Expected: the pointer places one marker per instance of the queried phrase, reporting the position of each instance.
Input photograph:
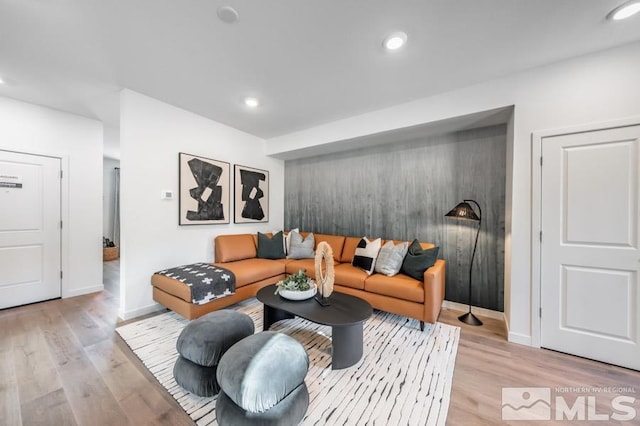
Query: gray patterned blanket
(206, 282)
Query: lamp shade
(463, 211)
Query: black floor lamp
(464, 211)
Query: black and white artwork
(204, 190)
(251, 195)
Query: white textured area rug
(404, 377)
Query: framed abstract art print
(205, 185)
(251, 195)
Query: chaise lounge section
(399, 294)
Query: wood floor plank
(83, 385)
(32, 361)
(9, 392)
(141, 403)
(49, 409)
(81, 322)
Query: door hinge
(540, 236)
(61, 274)
(60, 174)
(540, 312)
(61, 224)
(540, 161)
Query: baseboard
(521, 339)
(476, 310)
(134, 313)
(81, 291)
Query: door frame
(64, 213)
(536, 208)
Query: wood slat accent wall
(403, 190)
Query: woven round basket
(110, 253)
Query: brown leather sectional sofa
(399, 294)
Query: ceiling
(309, 62)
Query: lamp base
(470, 319)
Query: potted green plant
(297, 286)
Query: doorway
(111, 226)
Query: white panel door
(590, 257)
(29, 228)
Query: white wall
(589, 89)
(111, 146)
(152, 134)
(108, 195)
(78, 141)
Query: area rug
(404, 376)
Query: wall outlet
(166, 194)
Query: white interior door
(590, 257)
(29, 228)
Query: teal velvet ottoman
(262, 382)
(202, 344)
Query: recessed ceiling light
(252, 102)
(1, 80)
(395, 40)
(625, 10)
(227, 14)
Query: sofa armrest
(433, 290)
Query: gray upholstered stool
(201, 346)
(262, 381)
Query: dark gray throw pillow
(418, 260)
(270, 248)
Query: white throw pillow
(390, 258)
(366, 254)
(287, 240)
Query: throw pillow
(288, 239)
(418, 260)
(270, 248)
(301, 248)
(366, 254)
(390, 258)
(284, 240)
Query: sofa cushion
(349, 249)
(229, 248)
(270, 247)
(335, 241)
(366, 254)
(350, 276)
(249, 271)
(301, 247)
(418, 260)
(399, 286)
(308, 265)
(390, 258)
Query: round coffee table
(345, 315)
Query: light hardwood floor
(61, 363)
